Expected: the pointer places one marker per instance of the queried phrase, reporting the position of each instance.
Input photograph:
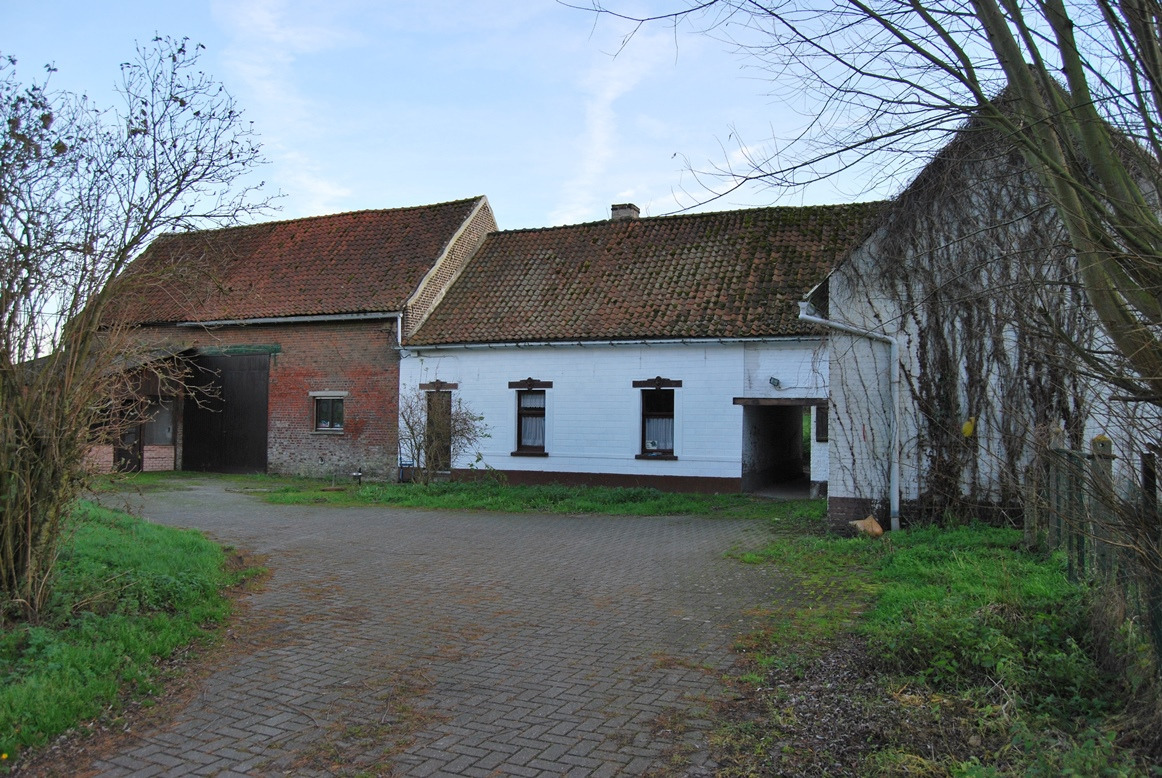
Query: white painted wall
(593, 412)
(860, 429)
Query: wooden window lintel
(658, 383)
(529, 384)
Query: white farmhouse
(956, 354)
(642, 351)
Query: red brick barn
(292, 328)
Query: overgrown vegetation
(128, 593)
(975, 658)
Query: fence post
(1149, 483)
(1101, 503)
(1069, 507)
(1056, 496)
(1079, 526)
(1153, 584)
(1036, 484)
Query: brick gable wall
(448, 267)
(357, 358)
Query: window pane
(532, 431)
(658, 401)
(658, 421)
(158, 428)
(532, 399)
(659, 434)
(329, 414)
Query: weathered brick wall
(99, 459)
(434, 285)
(358, 358)
(156, 458)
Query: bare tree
(1065, 101)
(1077, 88)
(437, 430)
(82, 191)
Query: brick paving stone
(487, 644)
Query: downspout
(806, 314)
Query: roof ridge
(320, 217)
(702, 215)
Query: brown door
(438, 432)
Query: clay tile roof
(359, 262)
(733, 274)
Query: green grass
(490, 495)
(127, 593)
(965, 606)
(961, 612)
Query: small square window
(329, 414)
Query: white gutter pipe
(604, 343)
(806, 313)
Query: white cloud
(604, 83)
(315, 194)
(267, 39)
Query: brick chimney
(619, 211)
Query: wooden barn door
(224, 428)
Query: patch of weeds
(895, 762)
(670, 723)
(664, 661)
(488, 494)
(670, 727)
(977, 659)
(828, 587)
(168, 480)
(356, 745)
(751, 679)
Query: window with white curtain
(530, 421)
(657, 422)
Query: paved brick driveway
(422, 643)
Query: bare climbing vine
(971, 270)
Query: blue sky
(365, 104)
